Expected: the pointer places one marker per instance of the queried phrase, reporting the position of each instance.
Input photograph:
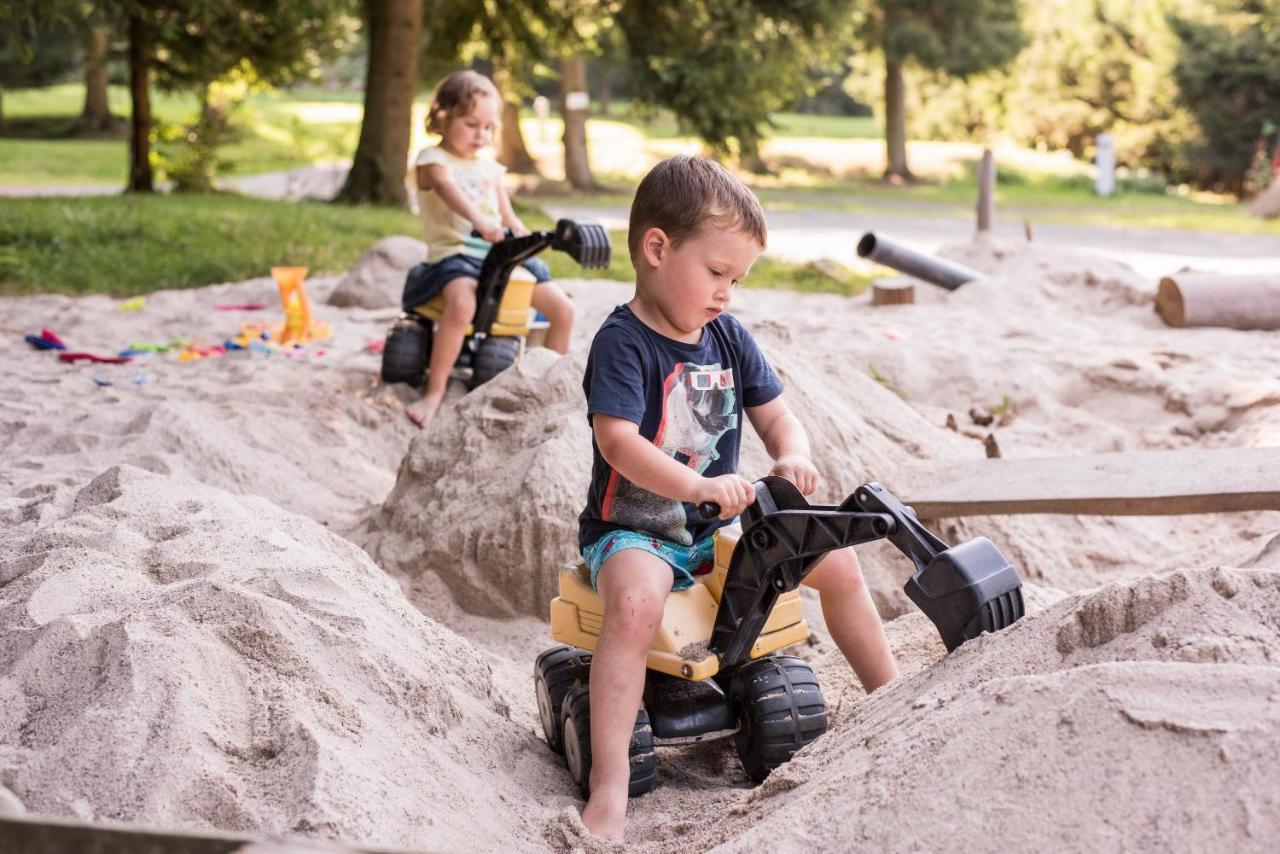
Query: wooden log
(899, 290)
(1133, 483)
(1245, 301)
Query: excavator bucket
(585, 242)
(967, 590)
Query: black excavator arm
(585, 242)
(965, 590)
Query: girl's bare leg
(459, 309)
(553, 302)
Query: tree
(394, 29)
(1228, 75)
(37, 45)
(958, 37)
(722, 66)
(96, 116)
(188, 44)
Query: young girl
(458, 192)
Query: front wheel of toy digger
(404, 355)
(493, 356)
(576, 728)
(780, 709)
(556, 672)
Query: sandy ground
(242, 593)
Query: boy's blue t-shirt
(688, 400)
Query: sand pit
(181, 656)
(196, 637)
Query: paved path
(816, 233)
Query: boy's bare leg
(634, 586)
(549, 299)
(459, 309)
(852, 618)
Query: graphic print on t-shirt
(697, 409)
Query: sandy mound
(489, 498)
(377, 278)
(1143, 714)
(316, 434)
(182, 656)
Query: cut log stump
(1245, 301)
(899, 290)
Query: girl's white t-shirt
(478, 180)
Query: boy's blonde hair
(455, 96)
(684, 194)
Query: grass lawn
(273, 131)
(126, 245)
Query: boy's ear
(654, 246)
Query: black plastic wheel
(405, 353)
(576, 732)
(556, 671)
(493, 356)
(780, 709)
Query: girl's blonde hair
(455, 96)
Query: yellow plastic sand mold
(299, 327)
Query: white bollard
(1105, 182)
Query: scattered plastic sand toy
(255, 305)
(298, 327)
(134, 304)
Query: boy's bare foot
(606, 811)
(422, 411)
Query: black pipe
(936, 271)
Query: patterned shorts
(685, 561)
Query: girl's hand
(799, 470)
(518, 230)
(490, 231)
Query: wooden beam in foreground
(1145, 483)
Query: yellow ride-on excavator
(714, 668)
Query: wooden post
(986, 191)
(900, 290)
(1246, 301)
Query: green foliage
(957, 37)
(49, 53)
(722, 66)
(1228, 73)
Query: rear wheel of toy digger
(780, 709)
(576, 728)
(404, 355)
(557, 671)
(493, 356)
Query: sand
(245, 594)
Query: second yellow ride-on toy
(504, 298)
(714, 668)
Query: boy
(667, 381)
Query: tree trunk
(606, 94)
(573, 107)
(512, 152)
(140, 178)
(96, 116)
(382, 154)
(895, 122)
(749, 158)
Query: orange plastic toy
(298, 326)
